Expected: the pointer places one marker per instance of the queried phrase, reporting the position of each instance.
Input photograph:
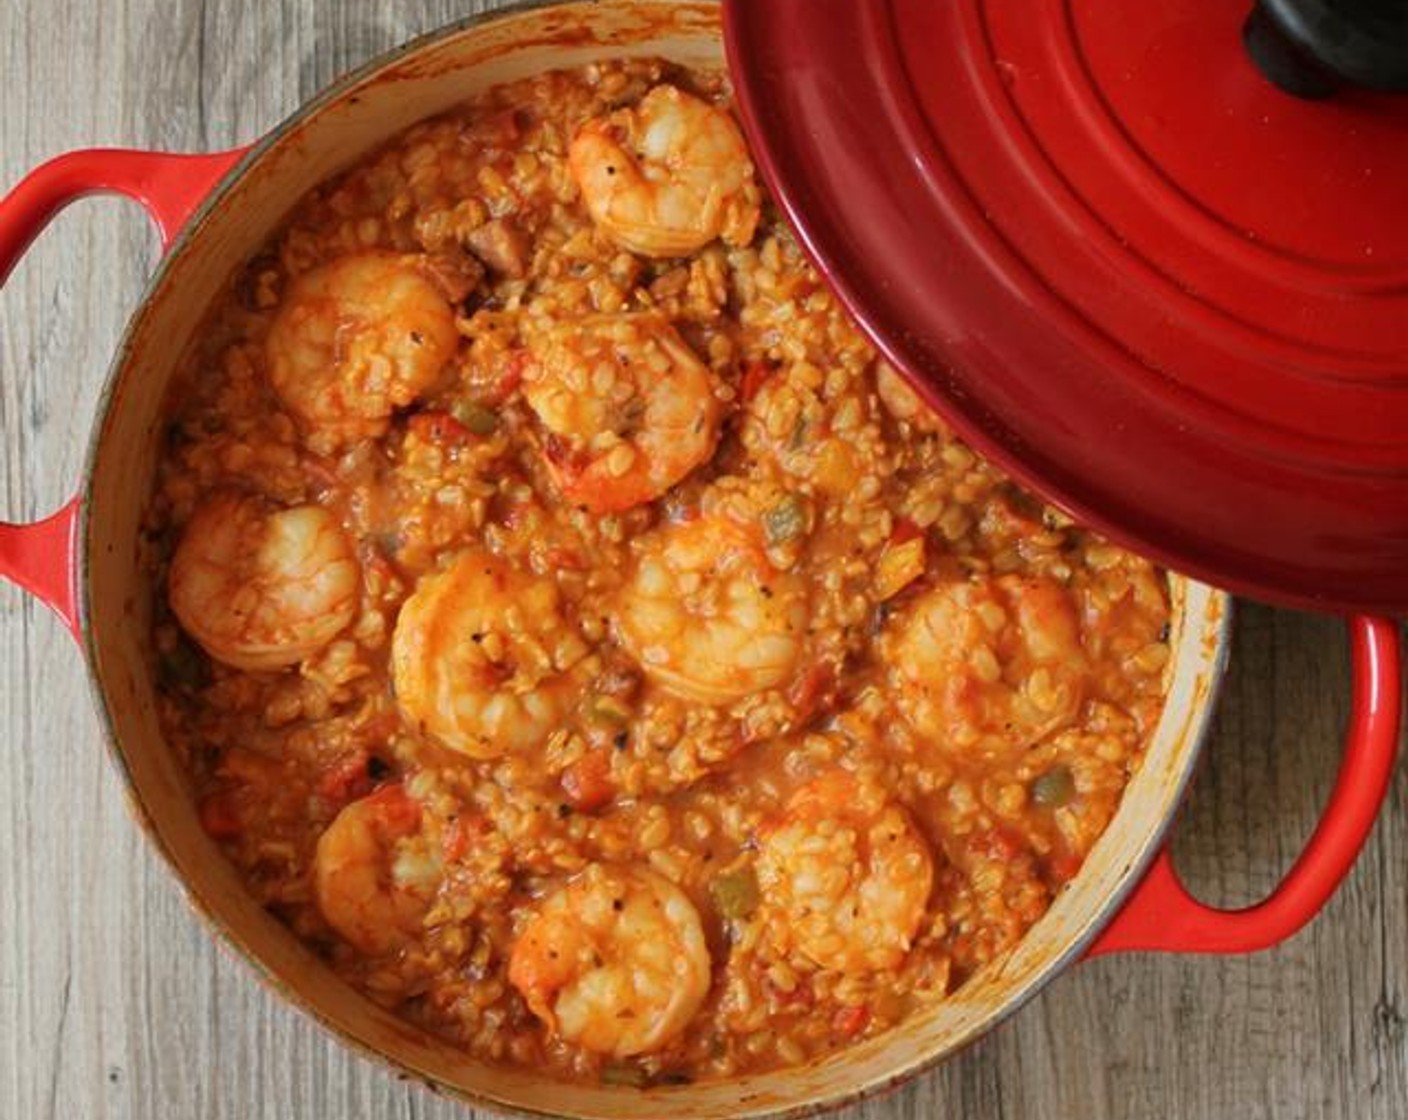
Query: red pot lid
(1153, 286)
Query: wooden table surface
(114, 1001)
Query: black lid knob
(1311, 48)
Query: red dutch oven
(1011, 209)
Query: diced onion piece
(900, 565)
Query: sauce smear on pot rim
(616, 670)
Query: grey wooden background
(115, 1003)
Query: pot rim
(1197, 729)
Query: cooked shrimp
(707, 615)
(988, 665)
(375, 873)
(902, 402)
(614, 962)
(483, 658)
(357, 338)
(668, 176)
(628, 408)
(845, 876)
(260, 587)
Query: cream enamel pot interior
(87, 562)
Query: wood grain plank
(116, 1003)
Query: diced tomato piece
(512, 376)
(563, 457)
(850, 1021)
(904, 530)
(396, 812)
(461, 834)
(755, 374)
(568, 558)
(587, 782)
(1062, 866)
(346, 779)
(220, 816)
(493, 375)
(799, 998)
(439, 428)
(455, 843)
(807, 692)
(999, 843)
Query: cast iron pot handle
(1161, 915)
(40, 557)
